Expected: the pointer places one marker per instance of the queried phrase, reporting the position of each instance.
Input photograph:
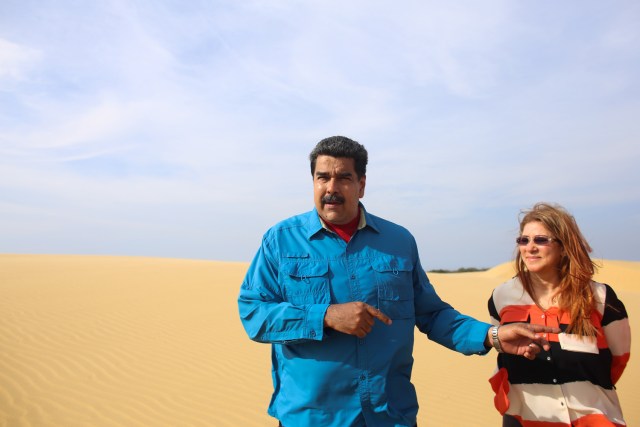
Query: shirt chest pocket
(305, 282)
(394, 278)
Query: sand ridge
(128, 341)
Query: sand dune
(117, 341)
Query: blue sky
(182, 129)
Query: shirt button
(362, 377)
(313, 333)
(542, 316)
(361, 341)
(548, 358)
(353, 277)
(555, 380)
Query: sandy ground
(118, 341)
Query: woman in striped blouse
(572, 384)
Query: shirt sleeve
(442, 323)
(265, 313)
(615, 325)
(493, 311)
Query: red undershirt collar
(345, 231)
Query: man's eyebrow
(340, 174)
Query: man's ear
(363, 182)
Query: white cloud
(15, 61)
(201, 117)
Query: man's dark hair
(341, 146)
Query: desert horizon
(88, 340)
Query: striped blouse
(572, 384)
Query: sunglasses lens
(538, 240)
(541, 240)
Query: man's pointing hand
(353, 318)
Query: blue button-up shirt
(323, 377)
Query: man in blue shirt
(338, 291)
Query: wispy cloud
(124, 121)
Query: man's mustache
(333, 198)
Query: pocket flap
(305, 269)
(382, 265)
